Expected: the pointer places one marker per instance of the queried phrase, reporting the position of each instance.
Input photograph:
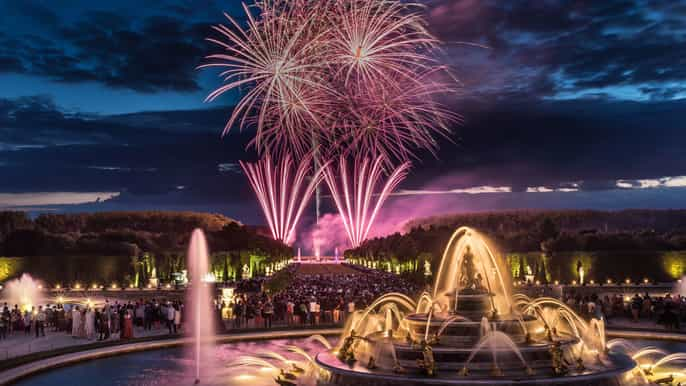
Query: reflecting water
(174, 366)
(171, 367)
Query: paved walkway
(16, 373)
(19, 344)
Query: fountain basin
(466, 332)
(536, 356)
(334, 372)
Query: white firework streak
(282, 191)
(355, 193)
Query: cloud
(13, 200)
(33, 10)
(502, 148)
(156, 54)
(559, 49)
(229, 167)
(470, 190)
(651, 183)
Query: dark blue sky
(573, 104)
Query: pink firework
(278, 60)
(359, 193)
(378, 42)
(393, 123)
(282, 190)
(316, 73)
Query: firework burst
(395, 123)
(377, 41)
(278, 60)
(327, 72)
(360, 191)
(282, 191)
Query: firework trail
(282, 191)
(359, 193)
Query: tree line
(155, 242)
(548, 234)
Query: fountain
(199, 301)
(471, 330)
(24, 292)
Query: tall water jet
(24, 292)
(199, 300)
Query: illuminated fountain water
(24, 292)
(471, 330)
(198, 301)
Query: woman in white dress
(177, 319)
(90, 323)
(75, 322)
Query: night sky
(568, 104)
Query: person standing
(303, 312)
(28, 316)
(147, 316)
(76, 322)
(15, 318)
(290, 310)
(114, 322)
(103, 326)
(4, 322)
(107, 311)
(647, 307)
(312, 310)
(169, 318)
(258, 314)
(177, 318)
(268, 311)
(351, 308)
(336, 314)
(139, 313)
(40, 322)
(90, 323)
(49, 317)
(237, 313)
(127, 331)
(60, 318)
(636, 303)
(68, 325)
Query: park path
(20, 344)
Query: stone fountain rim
(627, 365)
(448, 349)
(439, 319)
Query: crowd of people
(668, 310)
(306, 299)
(313, 298)
(111, 320)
